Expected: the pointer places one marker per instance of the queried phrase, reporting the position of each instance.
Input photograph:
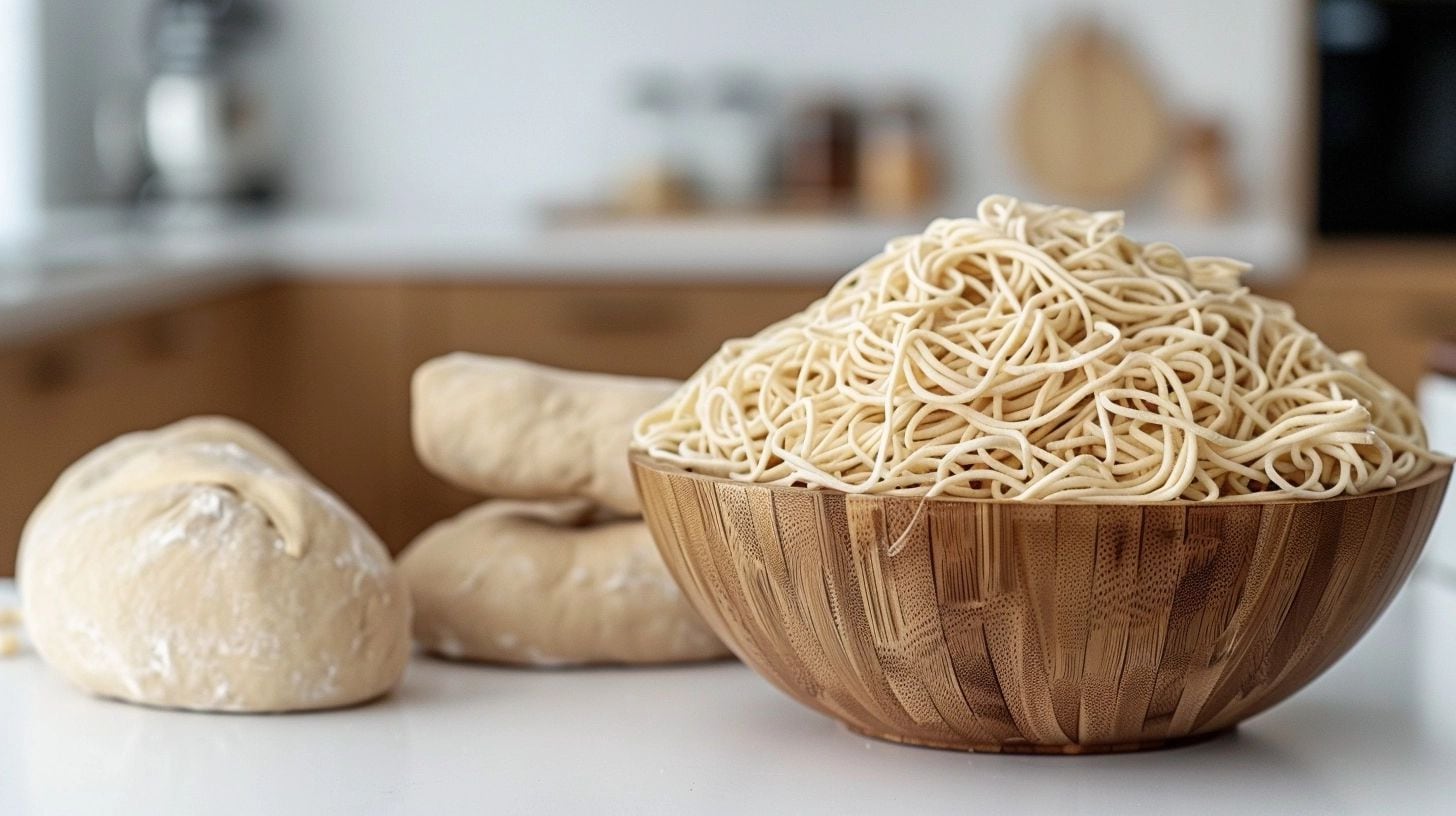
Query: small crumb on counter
(9, 644)
(9, 616)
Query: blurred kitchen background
(276, 210)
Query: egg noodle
(1036, 352)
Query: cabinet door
(65, 395)
(339, 392)
(1390, 301)
(656, 330)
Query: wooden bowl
(1035, 626)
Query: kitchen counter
(97, 263)
(36, 301)
(324, 244)
(92, 267)
(1376, 734)
(744, 246)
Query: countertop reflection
(1376, 734)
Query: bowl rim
(1439, 471)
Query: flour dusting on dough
(160, 570)
(544, 588)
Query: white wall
(461, 108)
(88, 48)
(19, 183)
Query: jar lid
(1442, 359)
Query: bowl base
(1071, 749)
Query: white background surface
(485, 110)
(430, 134)
(1376, 735)
(20, 199)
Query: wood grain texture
(1037, 627)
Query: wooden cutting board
(1088, 123)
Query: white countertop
(94, 266)
(96, 263)
(1377, 734)
(738, 246)
(37, 301)
(324, 244)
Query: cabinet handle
(161, 337)
(619, 315)
(51, 370)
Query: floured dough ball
(197, 566)
(534, 583)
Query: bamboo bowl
(1034, 627)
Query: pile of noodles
(1036, 352)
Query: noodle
(1036, 352)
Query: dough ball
(197, 566)
(515, 429)
(536, 583)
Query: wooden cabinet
(657, 330)
(324, 368)
(1389, 300)
(64, 395)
